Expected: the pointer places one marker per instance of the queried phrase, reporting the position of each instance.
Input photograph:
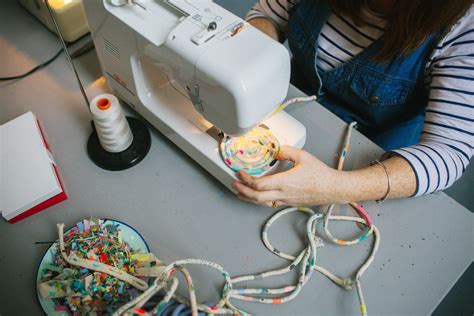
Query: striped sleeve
(276, 10)
(446, 143)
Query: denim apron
(387, 99)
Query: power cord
(81, 51)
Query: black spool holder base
(127, 158)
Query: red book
(29, 179)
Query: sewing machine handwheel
(127, 158)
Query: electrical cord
(40, 66)
(81, 51)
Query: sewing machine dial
(205, 20)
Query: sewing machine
(194, 71)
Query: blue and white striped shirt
(446, 143)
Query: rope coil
(305, 262)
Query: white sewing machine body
(193, 70)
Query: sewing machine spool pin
(141, 143)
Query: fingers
(267, 190)
(290, 153)
(273, 204)
(275, 181)
(272, 182)
(260, 197)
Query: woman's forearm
(312, 182)
(266, 26)
(371, 183)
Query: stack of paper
(29, 180)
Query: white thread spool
(110, 123)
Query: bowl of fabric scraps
(93, 268)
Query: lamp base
(127, 158)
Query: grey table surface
(183, 212)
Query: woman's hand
(309, 182)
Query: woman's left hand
(309, 182)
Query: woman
(403, 69)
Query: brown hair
(409, 22)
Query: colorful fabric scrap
(92, 271)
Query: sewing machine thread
(111, 125)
